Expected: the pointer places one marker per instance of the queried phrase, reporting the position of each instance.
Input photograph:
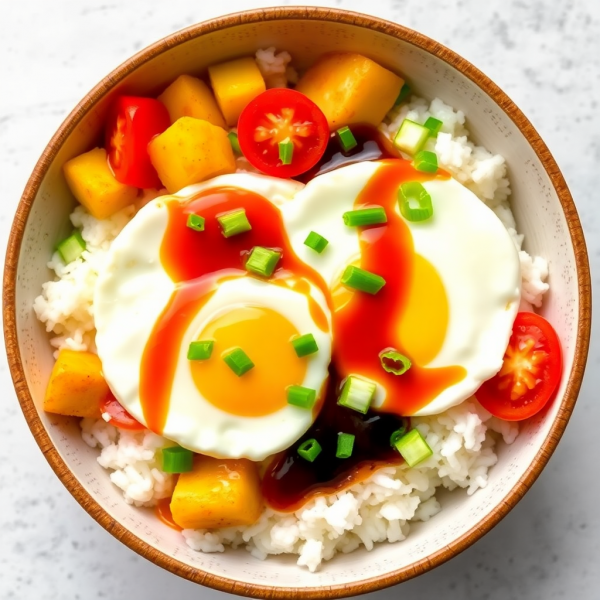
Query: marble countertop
(545, 54)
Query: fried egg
(211, 410)
(465, 288)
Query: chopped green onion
(72, 247)
(305, 345)
(195, 222)
(200, 350)
(394, 362)
(309, 449)
(262, 261)
(411, 137)
(426, 161)
(286, 151)
(405, 92)
(316, 242)
(359, 279)
(357, 394)
(301, 396)
(346, 138)
(235, 143)
(413, 192)
(396, 435)
(345, 445)
(434, 125)
(234, 222)
(238, 361)
(176, 459)
(365, 216)
(413, 447)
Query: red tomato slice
(278, 115)
(530, 373)
(131, 124)
(119, 417)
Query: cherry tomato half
(119, 417)
(282, 115)
(131, 124)
(530, 373)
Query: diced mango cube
(350, 88)
(188, 96)
(90, 179)
(190, 151)
(76, 385)
(235, 83)
(217, 493)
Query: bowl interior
(539, 215)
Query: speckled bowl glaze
(544, 211)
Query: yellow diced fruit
(235, 84)
(90, 179)
(350, 88)
(190, 151)
(188, 96)
(217, 493)
(76, 385)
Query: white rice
(380, 509)
(276, 68)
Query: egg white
(130, 295)
(465, 241)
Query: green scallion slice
(195, 222)
(357, 394)
(345, 445)
(412, 193)
(426, 161)
(405, 92)
(235, 143)
(238, 361)
(411, 137)
(316, 242)
(396, 435)
(394, 362)
(413, 447)
(301, 396)
(286, 151)
(72, 247)
(434, 125)
(365, 216)
(364, 281)
(200, 350)
(305, 345)
(309, 449)
(346, 138)
(176, 459)
(262, 261)
(234, 222)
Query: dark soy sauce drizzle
(372, 145)
(290, 481)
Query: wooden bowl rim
(62, 470)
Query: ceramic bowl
(544, 211)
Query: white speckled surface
(544, 54)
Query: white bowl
(545, 214)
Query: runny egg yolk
(424, 321)
(265, 336)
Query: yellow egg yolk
(265, 336)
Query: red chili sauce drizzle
(361, 329)
(196, 262)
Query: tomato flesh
(279, 115)
(132, 123)
(530, 372)
(119, 417)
